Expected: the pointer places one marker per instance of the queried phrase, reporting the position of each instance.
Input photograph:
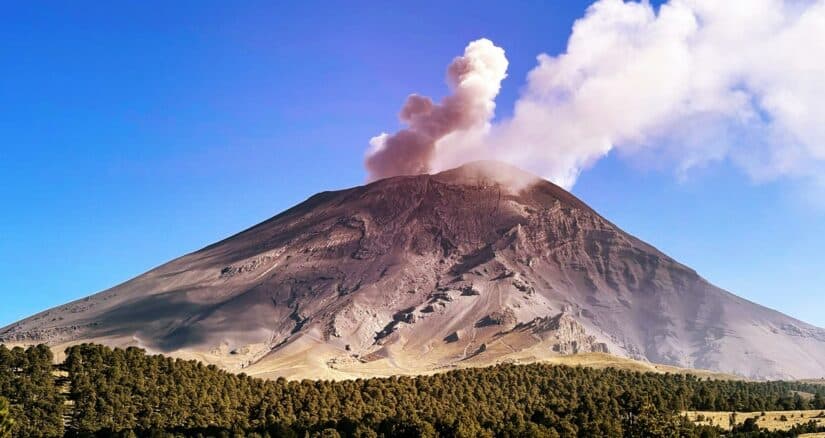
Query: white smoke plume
(475, 79)
(694, 82)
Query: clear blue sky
(135, 132)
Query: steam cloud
(696, 82)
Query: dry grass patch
(771, 420)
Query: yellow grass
(771, 420)
(310, 358)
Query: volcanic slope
(472, 266)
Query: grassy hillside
(769, 420)
(296, 368)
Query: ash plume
(475, 79)
(683, 85)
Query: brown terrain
(416, 274)
(770, 420)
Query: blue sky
(136, 132)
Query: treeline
(127, 393)
(750, 429)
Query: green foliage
(127, 393)
(27, 381)
(6, 421)
(818, 401)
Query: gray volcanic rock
(427, 271)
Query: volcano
(476, 265)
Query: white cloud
(712, 80)
(696, 82)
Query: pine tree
(819, 401)
(6, 421)
(117, 391)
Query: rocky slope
(412, 274)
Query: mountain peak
(472, 265)
(491, 170)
